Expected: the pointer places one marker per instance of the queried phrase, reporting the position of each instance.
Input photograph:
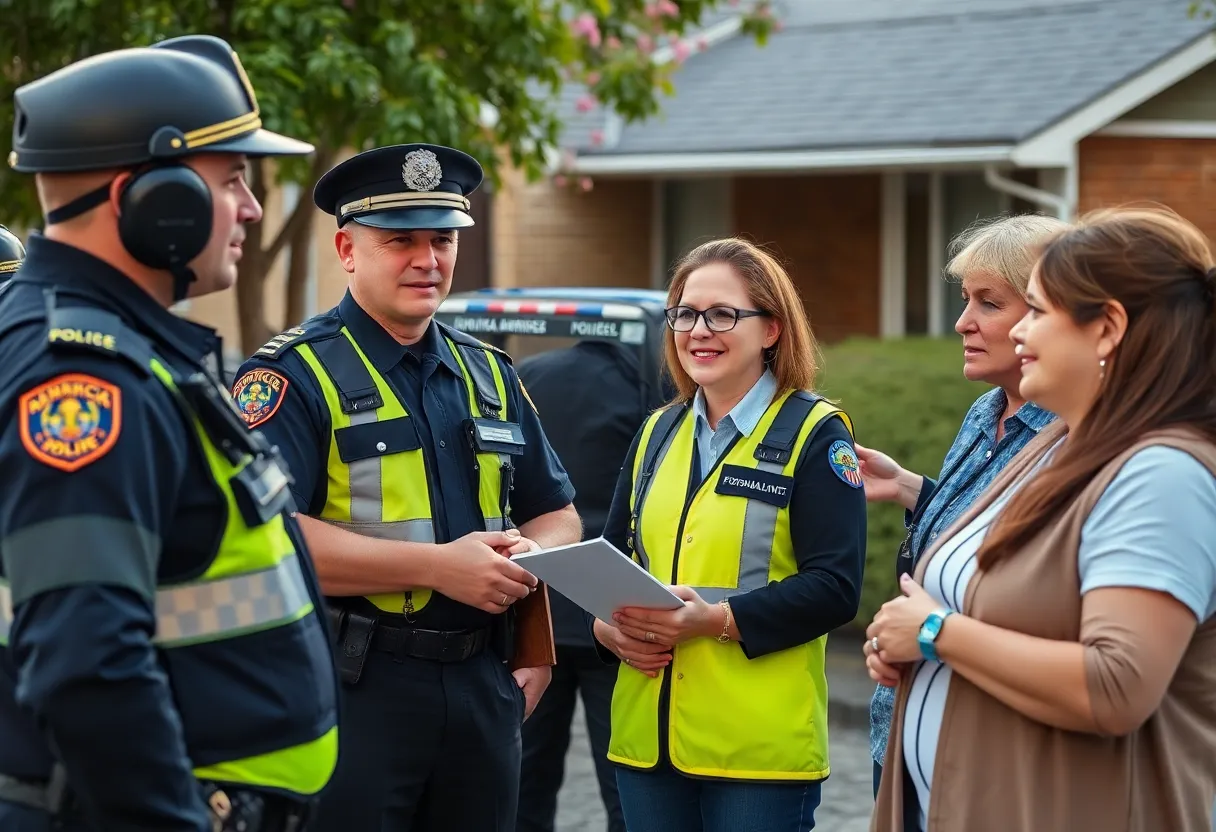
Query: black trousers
(425, 747)
(546, 739)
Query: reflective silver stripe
(207, 611)
(406, 531)
(494, 524)
(6, 611)
(366, 497)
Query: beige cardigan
(999, 771)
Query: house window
(690, 212)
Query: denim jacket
(971, 464)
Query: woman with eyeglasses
(745, 496)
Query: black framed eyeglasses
(717, 318)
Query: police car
(525, 321)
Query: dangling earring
(1101, 369)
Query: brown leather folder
(534, 646)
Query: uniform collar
(382, 349)
(751, 408)
(51, 262)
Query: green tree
(482, 75)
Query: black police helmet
(404, 186)
(11, 252)
(125, 108)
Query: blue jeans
(664, 800)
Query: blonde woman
(991, 260)
(746, 496)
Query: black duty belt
(432, 645)
(231, 809)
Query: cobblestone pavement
(847, 794)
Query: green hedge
(906, 397)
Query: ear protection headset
(164, 222)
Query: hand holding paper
(695, 619)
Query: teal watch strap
(929, 632)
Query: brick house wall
(548, 235)
(1180, 173)
(826, 230)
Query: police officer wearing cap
(415, 455)
(166, 664)
(12, 252)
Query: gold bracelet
(725, 637)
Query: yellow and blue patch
(258, 395)
(70, 421)
(843, 460)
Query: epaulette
(99, 331)
(289, 339)
(469, 341)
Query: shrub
(906, 397)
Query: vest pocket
(373, 439)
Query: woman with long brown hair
(745, 495)
(1056, 650)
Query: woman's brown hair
(795, 354)
(1162, 373)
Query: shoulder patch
(70, 421)
(843, 460)
(276, 345)
(258, 395)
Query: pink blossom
(585, 183)
(668, 8)
(585, 104)
(645, 44)
(593, 78)
(734, 2)
(587, 26)
(613, 42)
(560, 180)
(652, 10)
(681, 50)
(702, 44)
(568, 158)
(597, 138)
(778, 25)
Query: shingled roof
(899, 73)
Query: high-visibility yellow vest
(377, 480)
(728, 716)
(243, 639)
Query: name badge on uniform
(492, 436)
(754, 484)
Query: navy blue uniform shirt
(828, 530)
(428, 381)
(83, 549)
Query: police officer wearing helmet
(415, 454)
(11, 254)
(167, 666)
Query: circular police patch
(70, 421)
(843, 460)
(258, 395)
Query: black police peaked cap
(403, 186)
(129, 107)
(11, 252)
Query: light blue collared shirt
(742, 419)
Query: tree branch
(322, 161)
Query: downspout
(1061, 205)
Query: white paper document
(599, 577)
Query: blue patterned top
(971, 464)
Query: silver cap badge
(421, 170)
